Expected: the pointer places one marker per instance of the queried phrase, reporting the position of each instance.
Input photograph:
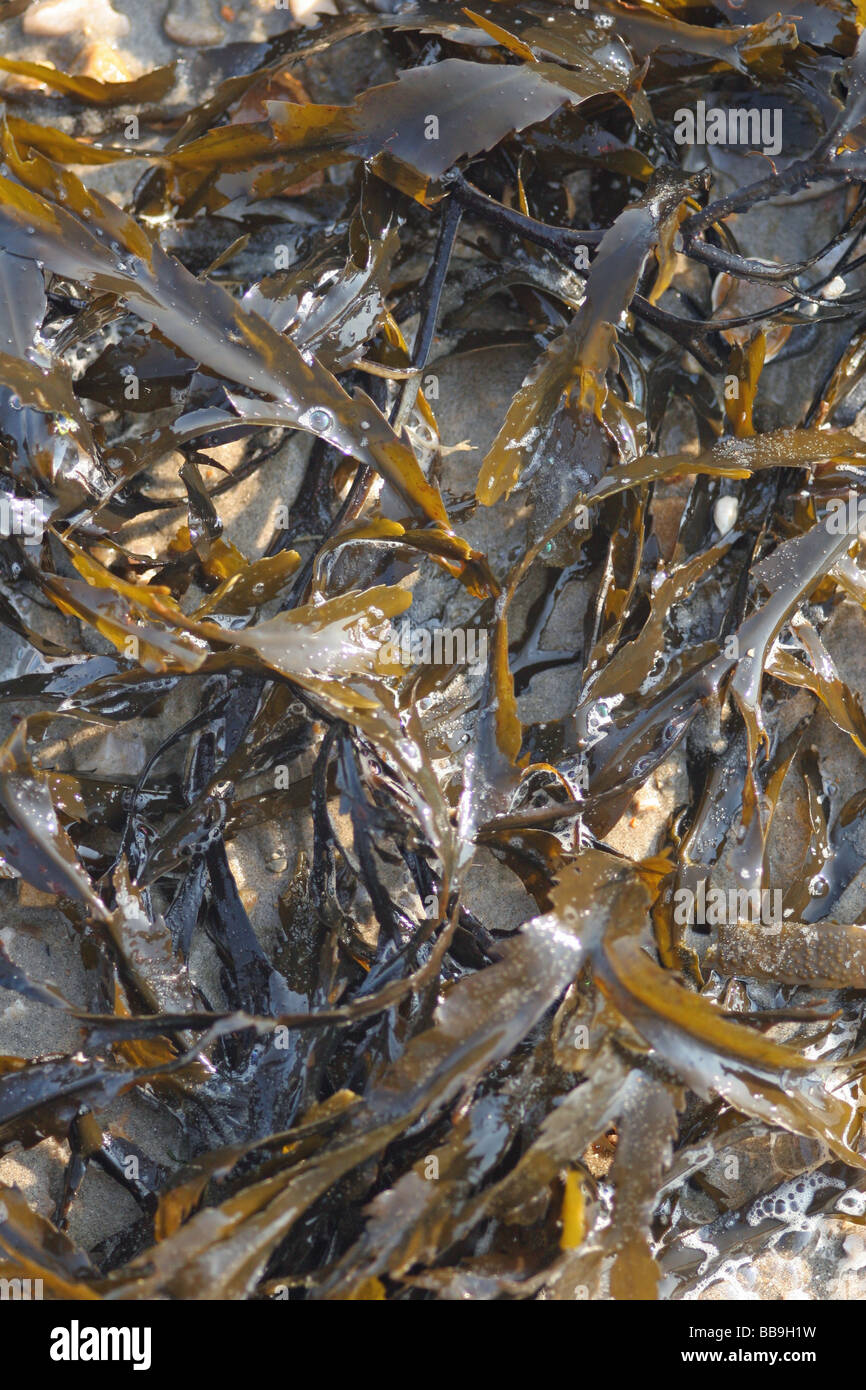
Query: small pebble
(193, 22)
(52, 18)
(725, 513)
(836, 287)
(102, 62)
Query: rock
(193, 22)
(100, 61)
(53, 18)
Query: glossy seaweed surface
(555, 989)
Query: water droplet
(320, 421)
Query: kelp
(199, 317)
(801, 953)
(150, 87)
(577, 364)
(441, 954)
(477, 105)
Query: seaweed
(432, 589)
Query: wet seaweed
(231, 279)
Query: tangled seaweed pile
(389, 1089)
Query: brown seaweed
(235, 530)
